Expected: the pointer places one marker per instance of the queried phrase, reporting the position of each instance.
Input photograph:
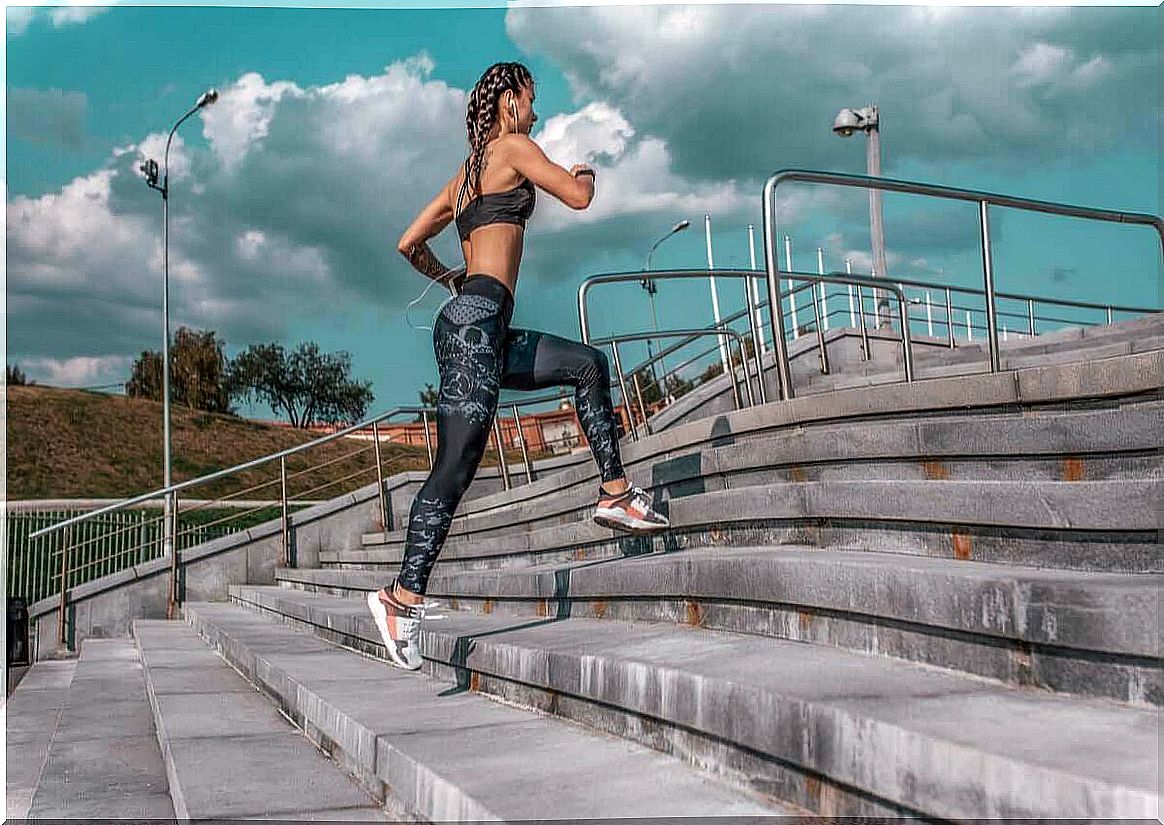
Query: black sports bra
(511, 206)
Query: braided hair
(482, 113)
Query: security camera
(846, 123)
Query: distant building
(553, 431)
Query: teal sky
(335, 126)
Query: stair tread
(230, 752)
(103, 760)
(455, 734)
(1082, 737)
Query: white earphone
(448, 283)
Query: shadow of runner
(463, 647)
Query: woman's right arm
(576, 191)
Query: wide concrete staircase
(939, 601)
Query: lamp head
(207, 97)
(150, 170)
(679, 227)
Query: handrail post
(906, 338)
(62, 611)
(950, 318)
(866, 351)
(757, 339)
(1109, 316)
(380, 478)
(524, 451)
(820, 340)
(775, 305)
(286, 514)
(1031, 316)
(427, 437)
(744, 367)
(634, 432)
(642, 406)
(172, 525)
(988, 273)
(505, 480)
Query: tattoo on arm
(425, 262)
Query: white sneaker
(630, 511)
(399, 626)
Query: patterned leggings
(477, 355)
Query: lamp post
(868, 121)
(150, 170)
(651, 287)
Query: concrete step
(443, 754)
(1091, 634)
(1115, 382)
(937, 366)
(1083, 525)
(102, 760)
(1051, 446)
(228, 752)
(886, 735)
(32, 713)
(848, 371)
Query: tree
(197, 373)
(429, 397)
(146, 379)
(308, 386)
(15, 377)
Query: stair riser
(1132, 552)
(1137, 680)
(1073, 468)
(1083, 447)
(839, 746)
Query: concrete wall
(106, 607)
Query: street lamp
(868, 121)
(150, 170)
(651, 287)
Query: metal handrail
(614, 341)
(669, 350)
(984, 201)
(675, 274)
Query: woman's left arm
(413, 244)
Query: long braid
(481, 116)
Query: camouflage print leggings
(478, 355)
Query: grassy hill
(77, 444)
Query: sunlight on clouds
(242, 116)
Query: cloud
(741, 90)
(291, 208)
(47, 117)
(79, 372)
(19, 18)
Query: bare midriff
(495, 250)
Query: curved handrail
(984, 201)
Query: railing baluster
(383, 496)
(524, 450)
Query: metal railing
(984, 200)
(673, 274)
(82, 550)
(690, 334)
